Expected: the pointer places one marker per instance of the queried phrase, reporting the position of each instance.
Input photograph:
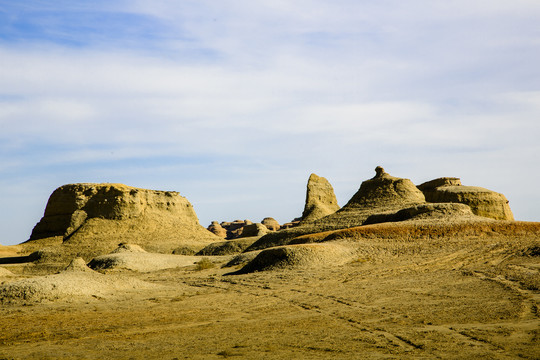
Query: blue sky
(234, 103)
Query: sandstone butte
(386, 198)
(92, 219)
(483, 202)
(320, 199)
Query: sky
(235, 103)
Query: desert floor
(421, 299)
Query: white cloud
(260, 94)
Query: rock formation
(383, 194)
(271, 224)
(295, 222)
(384, 198)
(320, 199)
(218, 230)
(299, 256)
(243, 228)
(233, 229)
(96, 217)
(483, 202)
(256, 229)
(384, 190)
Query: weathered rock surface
(384, 198)
(227, 247)
(385, 190)
(256, 229)
(299, 256)
(218, 230)
(271, 224)
(483, 202)
(94, 218)
(383, 194)
(320, 199)
(77, 265)
(291, 224)
(132, 257)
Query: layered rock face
(483, 202)
(383, 198)
(320, 199)
(385, 190)
(382, 194)
(377, 200)
(102, 215)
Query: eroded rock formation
(256, 229)
(96, 217)
(271, 224)
(385, 190)
(384, 198)
(320, 199)
(218, 230)
(483, 202)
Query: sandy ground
(429, 299)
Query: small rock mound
(320, 199)
(130, 257)
(69, 285)
(227, 247)
(242, 259)
(78, 265)
(256, 229)
(5, 272)
(234, 228)
(483, 202)
(299, 256)
(271, 224)
(218, 230)
(131, 248)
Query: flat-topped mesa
(320, 199)
(99, 214)
(483, 202)
(71, 205)
(385, 190)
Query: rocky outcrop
(227, 247)
(385, 190)
(243, 228)
(218, 230)
(378, 199)
(384, 198)
(320, 199)
(291, 224)
(96, 217)
(234, 228)
(256, 229)
(299, 256)
(483, 202)
(382, 194)
(271, 224)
